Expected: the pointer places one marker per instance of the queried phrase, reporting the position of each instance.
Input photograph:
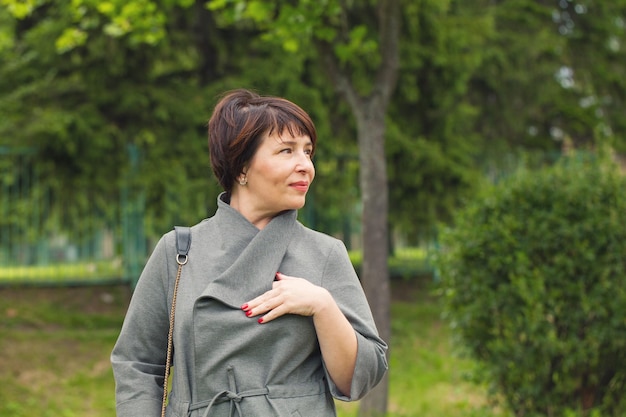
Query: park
(471, 157)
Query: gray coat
(224, 362)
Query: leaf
(70, 39)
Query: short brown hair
(240, 120)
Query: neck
(258, 218)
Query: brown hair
(240, 120)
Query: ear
(242, 178)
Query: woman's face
(279, 175)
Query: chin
(296, 205)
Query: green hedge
(405, 263)
(534, 277)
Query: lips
(300, 185)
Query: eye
(308, 152)
(285, 150)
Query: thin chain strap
(181, 260)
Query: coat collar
(254, 255)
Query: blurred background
(418, 104)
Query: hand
(337, 339)
(289, 295)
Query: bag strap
(183, 243)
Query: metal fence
(45, 241)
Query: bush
(405, 264)
(534, 278)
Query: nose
(304, 164)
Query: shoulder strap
(183, 243)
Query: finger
(262, 305)
(280, 276)
(272, 315)
(255, 302)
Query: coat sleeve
(371, 362)
(138, 357)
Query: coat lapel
(254, 265)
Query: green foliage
(83, 81)
(407, 264)
(291, 25)
(596, 33)
(20, 9)
(105, 115)
(87, 109)
(346, 27)
(534, 277)
(552, 74)
(431, 144)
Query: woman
(271, 319)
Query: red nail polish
(249, 313)
(260, 320)
(244, 307)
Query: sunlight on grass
(78, 271)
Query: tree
(91, 79)
(552, 76)
(369, 106)
(596, 38)
(358, 46)
(432, 147)
(84, 107)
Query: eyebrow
(293, 142)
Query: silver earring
(243, 181)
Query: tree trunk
(375, 274)
(370, 112)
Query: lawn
(56, 344)
(77, 272)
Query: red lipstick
(300, 185)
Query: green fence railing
(45, 241)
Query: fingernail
(249, 313)
(260, 320)
(244, 307)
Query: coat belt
(233, 396)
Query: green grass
(426, 378)
(56, 344)
(405, 263)
(85, 271)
